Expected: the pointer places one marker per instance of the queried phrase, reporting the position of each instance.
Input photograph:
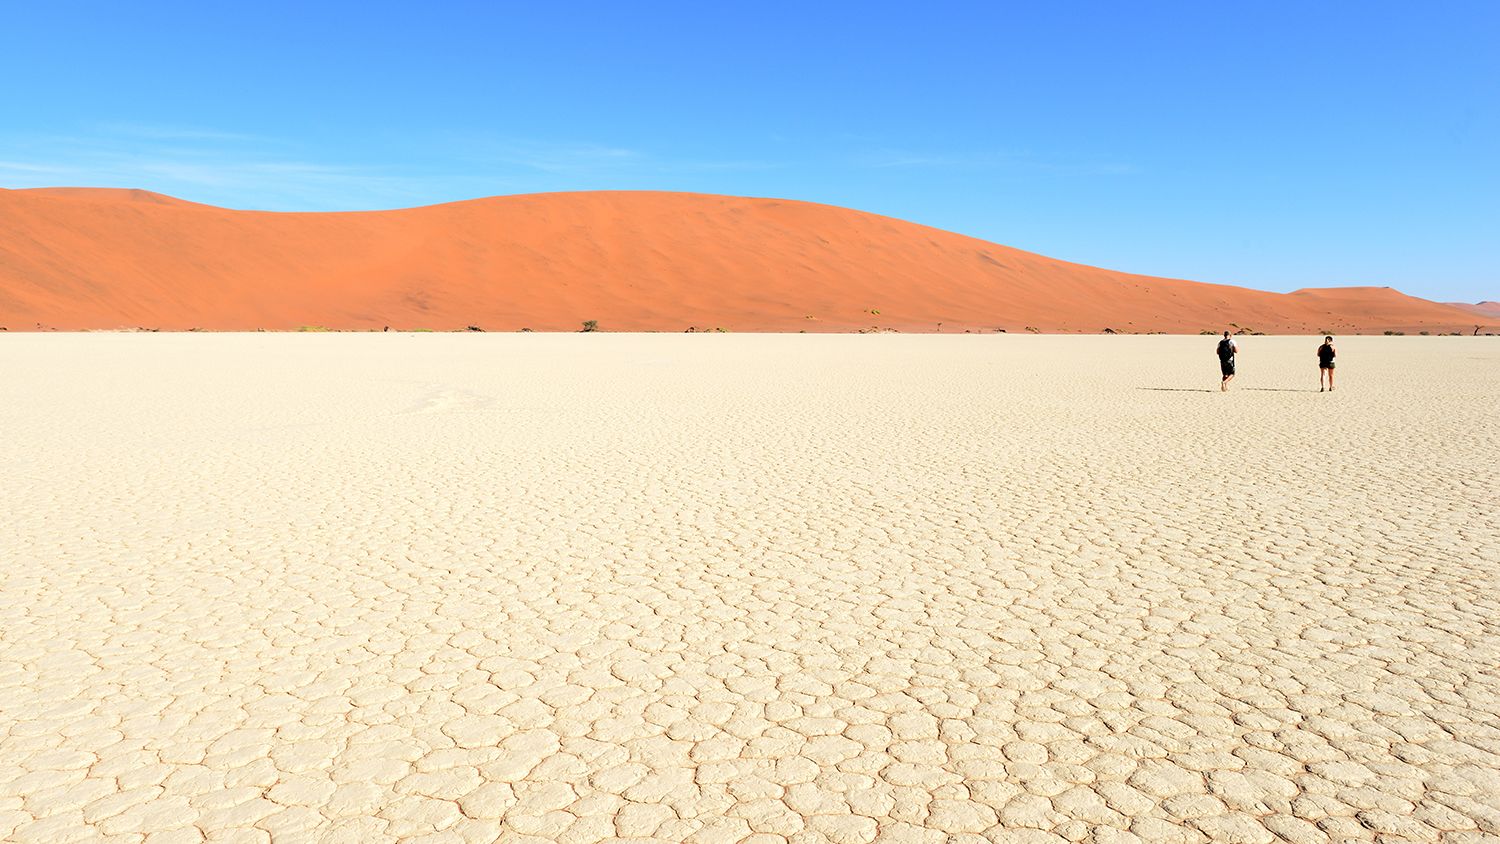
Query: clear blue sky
(1275, 145)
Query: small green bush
(591, 325)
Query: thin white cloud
(243, 171)
(172, 133)
(203, 165)
(29, 168)
(882, 159)
(584, 160)
(570, 159)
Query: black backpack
(1226, 349)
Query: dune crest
(78, 258)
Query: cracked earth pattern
(720, 588)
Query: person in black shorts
(1226, 351)
(1325, 363)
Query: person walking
(1326, 355)
(1226, 352)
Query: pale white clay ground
(405, 587)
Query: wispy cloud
(589, 160)
(558, 158)
(204, 165)
(171, 133)
(249, 171)
(884, 158)
(28, 167)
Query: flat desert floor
(526, 587)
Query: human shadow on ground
(1176, 389)
(1278, 390)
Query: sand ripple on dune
(730, 588)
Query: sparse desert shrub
(525, 330)
(474, 328)
(1424, 333)
(591, 325)
(303, 328)
(1390, 333)
(1033, 329)
(1110, 331)
(1207, 332)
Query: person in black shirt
(1226, 351)
(1325, 363)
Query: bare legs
(1325, 372)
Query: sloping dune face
(1489, 310)
(631, 261)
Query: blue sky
(1274, 145)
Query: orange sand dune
(1489, 310)
(633, 261)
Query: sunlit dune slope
(632, 261)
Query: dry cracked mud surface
(721, 588)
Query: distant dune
(77, 258)
(1488, 310)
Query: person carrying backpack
(1325, 362)
(1226, 352)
